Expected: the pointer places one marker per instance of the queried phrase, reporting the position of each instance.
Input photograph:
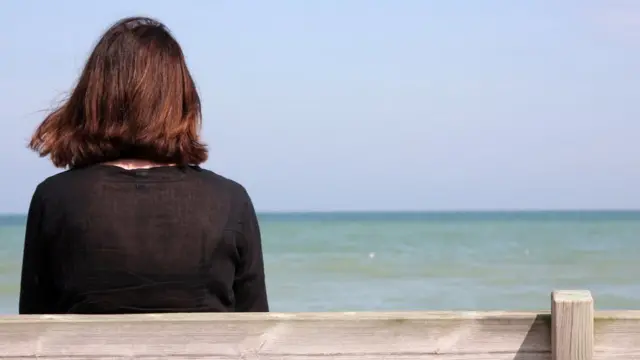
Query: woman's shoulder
(225, 184)
(67, 179)
(79, 179)
(79, 193)
(55, 183)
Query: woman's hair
(134, 99)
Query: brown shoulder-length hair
(135, 99)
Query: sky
(368, 104)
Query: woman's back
(160, 239)
(165, 236)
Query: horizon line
(566, 210)
(451, 211)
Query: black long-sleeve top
(105, 240)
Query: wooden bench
(566, 332)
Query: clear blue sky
(369, 104)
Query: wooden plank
(617, 335)
(572, 325)
(362, 336)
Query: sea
(371, 261)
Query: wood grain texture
(287, 336)
(572, 325)
(316, 336)
(617, 335)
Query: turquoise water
(426, 261)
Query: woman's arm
(249, 285)
(35, 284)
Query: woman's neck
(133, 164)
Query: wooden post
(571, 325)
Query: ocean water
(426, 261)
